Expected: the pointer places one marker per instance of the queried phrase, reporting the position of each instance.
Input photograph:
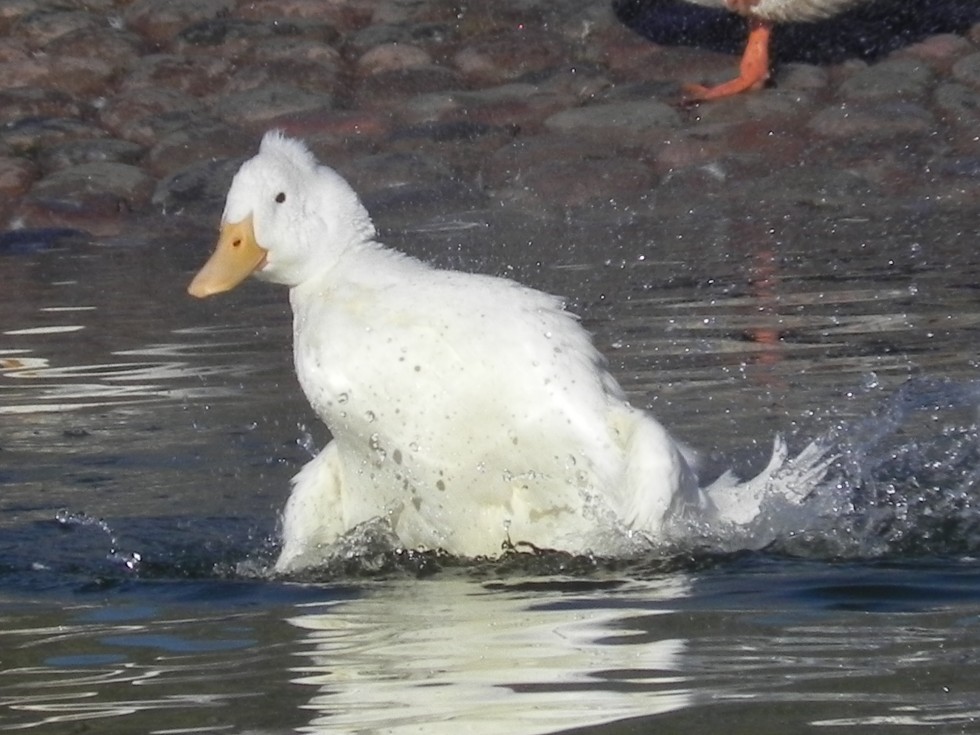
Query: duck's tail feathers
(785, 481)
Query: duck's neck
(368, 262)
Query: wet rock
(16, 176)
(193, 76)
(143, 115)
(13, 49)
(453, 130)
(802, 77)
(627, 55)
(520, 105)
(888, 120)
(511, 163)
(480, 20)
(730, 149)
(777, 107)
(939, 50)
(33, 134)
(685, 149)
(584, 182)
(236, 38)
(159, 22)
(430, 107)
(618, 120)
(198, 189)
(318, 77)
(381, 89)
(84, 76)
(381, 171)
(413, 13)
(526, 97)
(77, 152)
(13, 10)
(312, 66)
(116, 48)
(510, 55)
(86, 196)
(335, 128)
(967, 70)
(257, 108)
(811, 187)
(22, 71)
(427, 36)
(345, 16)
(299, 50)
(391, 57)
(40, 29)
(17, 103)
(583, 82)
(407, 181)
(960, 106)
(186, 146)
(421, 201)
(898, 77)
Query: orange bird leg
(753, 69)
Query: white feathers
(466, 411)
(789, 11)
(276, 145)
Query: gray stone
(143, 115)
(30, 102)
(198, 189)
(887, 120)
(257, 107)
(93, 189)
(40, 29)
(99, 150)
(967, 70)
(184, 146)
(960, 105)
(33, 134)
(159, 22)
(899, 77)
(615, 119)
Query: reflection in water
(172, 372)
(772, 647)
(451, 657)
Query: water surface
(147, 440)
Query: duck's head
(285, 218)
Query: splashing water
(902, 482)
(127, 560)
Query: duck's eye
(281, 197)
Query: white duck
(466, 410)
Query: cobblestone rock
(114, 108)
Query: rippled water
(146, 442)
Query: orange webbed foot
(753, 69)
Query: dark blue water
(147, 440)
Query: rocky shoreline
(114, 110)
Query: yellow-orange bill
(236, 256)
